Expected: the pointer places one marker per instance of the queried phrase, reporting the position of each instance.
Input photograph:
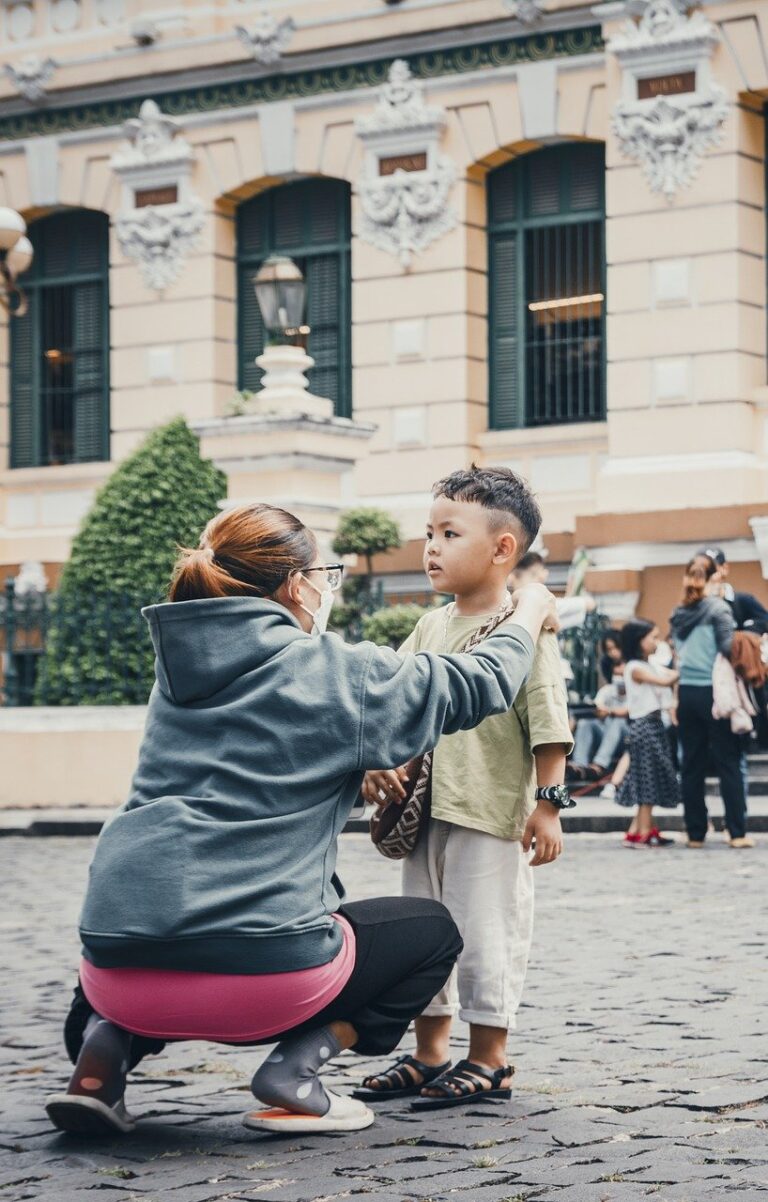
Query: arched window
(60, 348)
(309, 221)
(546, 236)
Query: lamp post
(16, 254)
(281, 295)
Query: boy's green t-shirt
(484, 778)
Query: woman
(703, 626)
(213, 910)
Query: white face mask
(323, 612)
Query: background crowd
(672, 706)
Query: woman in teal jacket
(213, 909)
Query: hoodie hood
(686, 618)
(202, 647)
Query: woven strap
(404, 836)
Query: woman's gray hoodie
(257, 737)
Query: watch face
(560, 795)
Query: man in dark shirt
(748, 612)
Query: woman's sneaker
(608, 792)
(654, 838)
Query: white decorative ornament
(21, 22)
(668, 132)
(31, 75)
(406, 183)
(527, 12)
(109, 12)
(268, 39)
(65, 15)
(157, 235)
(152, 138)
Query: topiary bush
(389, 627)
(98, 650)
(365, 532)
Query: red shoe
(632, 840)
(655, 838)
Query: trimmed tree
(389, 627)
(364, 532)
(98, 650)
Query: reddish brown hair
(245, 552)
(698, 572)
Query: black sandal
(400, 1083)
(463, 1078)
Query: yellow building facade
(533, 234)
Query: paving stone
(639, 1053)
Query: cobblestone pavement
(641, 1054)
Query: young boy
(473, 856)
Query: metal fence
(580, 646)
(60, 649)
(65, 650)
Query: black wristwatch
(556, 795)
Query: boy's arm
(544, 823)
(546, 718)
(382, 785)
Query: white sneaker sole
(346, 1114)
(87, 1116)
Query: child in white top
(652, 776)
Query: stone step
(591, 816)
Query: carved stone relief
(667, 133)
(31, 76)
(157, 236)
(528, 12)
(406, 183)
(268, 38)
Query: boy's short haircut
(495, 488)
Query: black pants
(405, 950)
(704, 739)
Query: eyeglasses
(334, 573)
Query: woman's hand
(382, 786)
(536, 601)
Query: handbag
(397, 826)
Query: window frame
(35, 283)
(519, 227)
(247, 265)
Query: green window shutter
(322, 275)
(506, 409)
(250, 331)
(24, 416)
(546, 286)
(88, 374)
(309, 221)
(60, 418)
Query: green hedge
(98, 649)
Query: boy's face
(462, 550)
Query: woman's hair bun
(247, 551)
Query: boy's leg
(422, 877)
(488, 888)
(589, 732)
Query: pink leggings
(226, 1008)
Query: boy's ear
(506, 549)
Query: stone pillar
(289, 449)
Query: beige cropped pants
(487, 884)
